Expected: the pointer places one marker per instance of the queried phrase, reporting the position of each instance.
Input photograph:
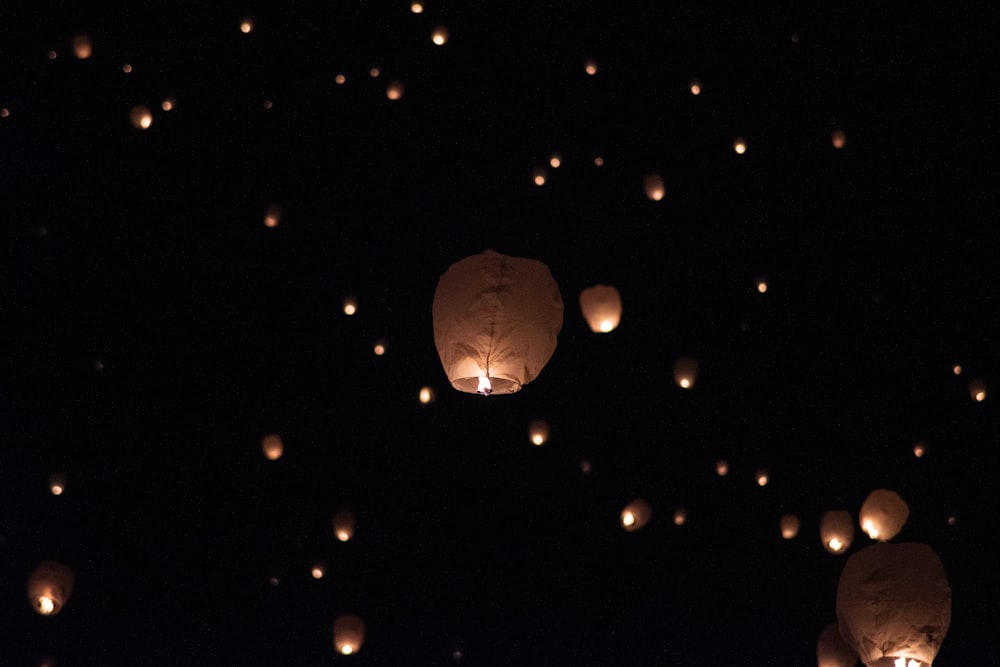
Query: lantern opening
(347, 649)
(870, 528)
(903, 662)
(485, 388)
(836, 544)
(46, 605)
(628, 519)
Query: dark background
(146, 251)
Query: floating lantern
(832, 650)
(590, 67)
(379, 348)
(977, 390)
(883, 514)
(168, 104)
(343, 525)
(348, 634)
(538, 432)
(740, 145)
(789, 526)
(246, 26)
(836, 530)
(273, 216)
(761, 286)
(318, 570)
(722, 467)
(417, 8)
(555, 161)
(83, 48)
(426, 395)
(340, 79)
(395, 90)
(636, 515)
(272, 446)
(762, 477)
(538, 176)
(439, 36)
(496, 319)
(350, 305)
(956, 369)
(141, 117)
(655, 189)
(686, 372)
(57, 484)
(695, 87)
(894, 605)
(920, 449)
(838, 138)
(680, 516)
(49, 587)
(602, 308)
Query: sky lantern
(318, 570)
(680, 516)
(539, 176)
(977, 390)
(894, 605)
(496, 319)
(789, 526)
(83, 48)
(426, 395)
(141, 117)
(836, 530)
(722, 467)
(636, 515)
(348, 634)
(832, 650)
(440, 36)
(538, 432)
(590, 67)
(740, 145)
(555, 160)
(57, 484)
(920, 449)
(883, 514)
(350, 305)
(602, 308)
(686, 372)
(49, 587)
(838, 138)
(246, 26)
(417, 7)
(762, 285)
(762, 477)
(957, 369)
(273, 216)
(343, 525)
(272, 446)
(655, 189)
(394, 91)
(695, 87)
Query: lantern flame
(902, 662)
(870, 528)
(485, 388)
(45, 605)
(628, 519)
(836, 544)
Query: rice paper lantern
(49, 587)
(686, 372)
(496, 319)
(883, 514)
(343, 525)
(602, 308)
(832, 650)
(836, 530)
(894, 605)
(348, 634)
(636, 515)
(789, 526)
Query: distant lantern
(343, 525)
(586, 466)
(636, 515)
(246, 26)
(680, 516)
(141, 117)
(920, 449)
(273, 216)
(695, 87)
(883, 514)
(598, 161)
(836, 530)
(655, 189)
(394, 90)
(496, 319)
(832, 650)
(761, 285)
(762, 477)
(268, 104)
(789, 526)
(4, 112)
(555, 160)
(439, 36)
(977, 390)
(426, 395)
(348, 634)
(538, 176)
(318, 570)
(350, 305)
(417, 8)
(538, 432)
(379, 349)
(272, 446)
(127, 68)
(894, 605)
(83, 48)
(956, 369)
(590, 67)
(374, 72)
(49, 587)
(340, 79)
(602, 308)
(57, 484)
(838, 138)
(740, 145)
(168, 104)
(686, 372)
(722, 467)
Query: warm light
(680, 517)
(883, 514)
(598, 161)
(57, 484)
(740, 146)
(835, 544)
(440, 35)
(538, 176)
(696, 87)
(655, 189)
(686, 372)
(956, 369)
(555, 161)
(789, 526)
(602, 308)
(761, 286)
(903, 662)
(379, 349)
(590, 67)
(350, 306)
(127, 68)
(762, 478)
(246, 26)
(46, 605)
(4, 112)
(53, 55)
(836, 530)
(869, 528)
(635, 515)
(485, 388)
(374, 72)
(628, 519)
(394, 90)
(417, 8)
(56, 490)
(272, 446)
(977, 389)
(49, 587)
(340, 79)
(838, 138)
(348, 634)
(721, 468)
(538, 432)
(920, 449)
(141, 117)
(343, 525)
(347, 649)
(318, 571)
(83, 48)
(273, 216)
(168, 104)
(426, 395)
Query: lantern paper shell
(602, 308)
(883, 514)
(832, 650)
(894, 602)
(49, 587)
(636, 515)
(272, 446)
(789, 526)
(343, 525)
(836, 530)
(496, 319)
(348, 634)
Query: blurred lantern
(883, 514)
(956, 369)
(496, 319)
(268, 104)
(977, 390)
(602, 308)
(343, 525)
(636, 515)
(586, 466)
(538, 432)
(379, 348)
(83, 48)
(340, 79)
(318, 570)
(590, 67)
(426, 395)
(836, 530)
(57, 484)
(246, 26)
(680, 516)
(374, 72)
(722, 467)
(894, 605)
(348, 634)
(598, 161)
(49, 587)
(655, 189)
(832, 650)
(838, 138)
(350, 305)
(740, 146)
(538, 176)
(394, 90)
(273, 446)
(789, 526)
(417, 8)
(273, 216)
(920, 449)
(168, 104)
(695, 87)
(761, 285)
(127, 68)
(440, 35)
(762, 477)
(141, 117)
(686, 372)
(555, 161)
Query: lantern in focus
(348, 634)
(686, 372)
(832, 650)
(636, 515)
(894, 605)
(343, 525)
(789, 526)
(977, 390)
(836, 530)
(538, 432)
(883, 514)
(655, 189)
(496, 319)
(602, 308)
(141, 117)
(272, 446)
(49, 587)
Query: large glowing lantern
(894, 605)
(836, 530)
(343, 525)
(636, 515)
(49, 587)
(602, 308)
(832, 650)
(496, 319)
(883, 514)
(348, 634)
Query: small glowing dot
(538, 177)
(555, 161)
(246, 26)
(127, 68)
(598, 161)
(394, 90)
(141, 117)
(836, 544)
(83, 48)
(762, 478)
(426, 395)
(696, 88)
(952, 520)
(761, 286)
(440, 35)
(374, 72)
(340, 79)
(350, 306)
(956, 369)
(740, 146)
(417, 8)
(53, 55)
(590, 67)
(919, 450)
(721, 468)
(379, 349)
(57, 489)
(838, 138)
(168, 104)
(318, 572)
(46, 605)
(268, 104)
(274, 581)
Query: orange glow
(696, 87)
(426, 395)
(394, 90)
(602, 308)
(49, 587)
(440, 35)
(635, 515)
(343, 525)
(348, 634)
(4, 112)
(83, 48)
(655, 189)
(538, 176)
(374, 72)
(680, 517)
(883, 514)
(246, 26)
(721, 467)
(538, 432)
(598, 161)
(762, 478)
(417, 8)
(272, 446)
(555, 161)
(590, 67)
(762, 286)
(168, 104)
(350, 306)
(273, 216)
(956, 369)
(127, 68)
(57, 484)
(340, 79)
(920, 449)
(318, 571)
(686, 372)
(836, 531)
(789, 526)
(141, 117)
(379, 349)
(838, 138)
(977, 390)
(740, 146)
(53, 55)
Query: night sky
(156, 328)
